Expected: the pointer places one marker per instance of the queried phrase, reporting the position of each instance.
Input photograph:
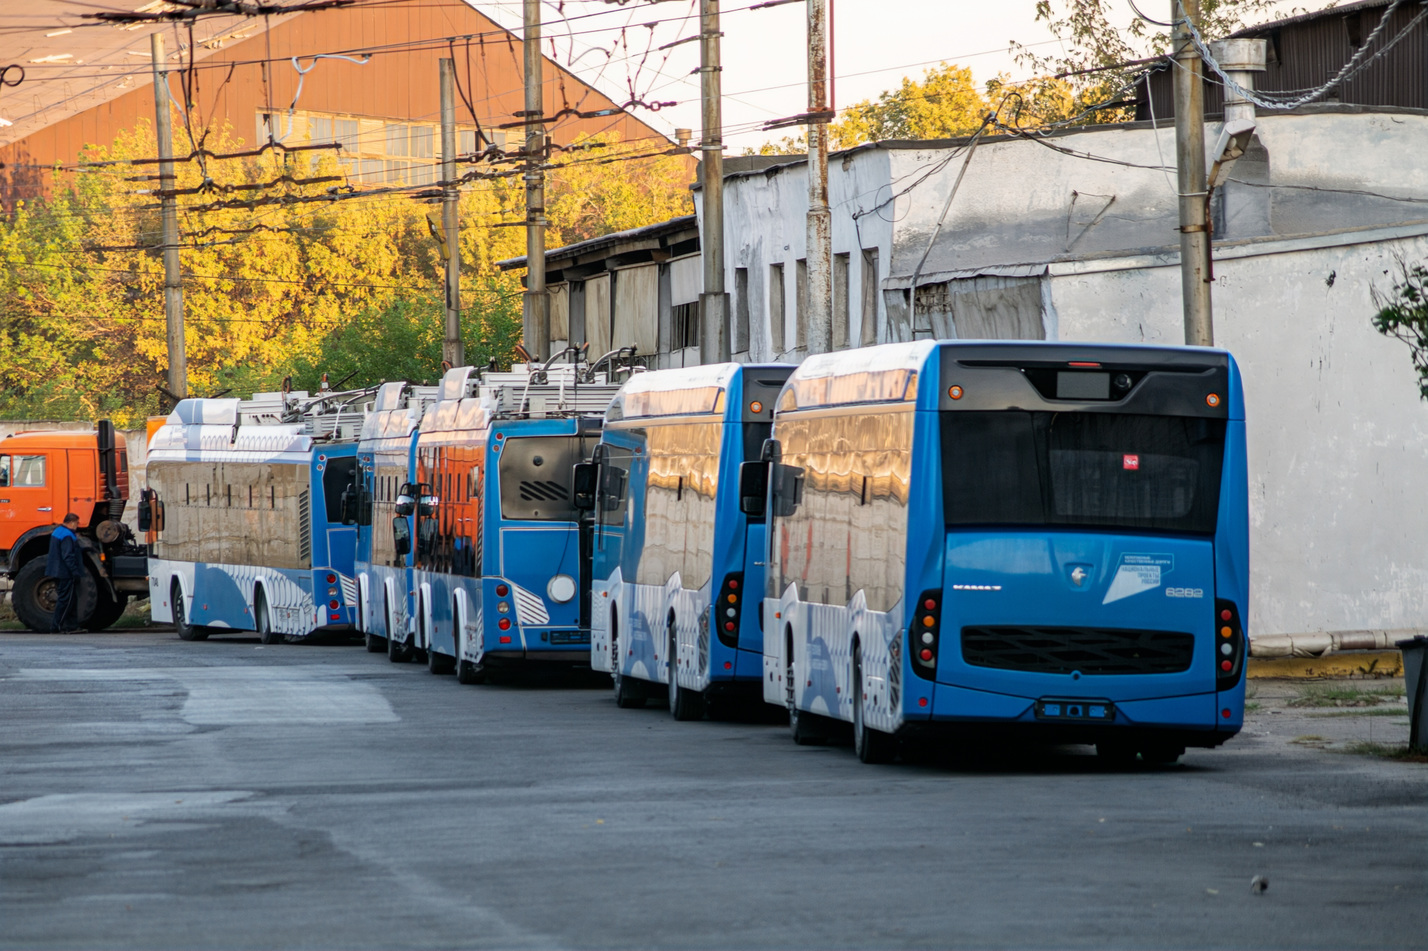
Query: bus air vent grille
(1061, 650)
(543, 491)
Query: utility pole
(819, 306)
(1190, 169)
(713, 302)
(173, 281)
(453, 352)
(537, 301)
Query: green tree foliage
(320, 282)
(1403, 313)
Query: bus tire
(266, 634)
(186, 631)
(438, 663)
(374, 643)
(684, 704)
(805, 727)
(1116, 754)
(397, 652)
(1161, 753)
(629, 694)
(872, 746)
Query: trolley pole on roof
(452, 350)
(536, 323)
(1190, 172)
(819, 330)
(714, 303)
(173, 278)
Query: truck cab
(43, 475)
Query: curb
(1387, 663)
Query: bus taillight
(728, 605)
(1229, 644)
(925, 633)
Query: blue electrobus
(1046, 539)
(247, 499)
(501, 569)
(386, 453)
(673, 554)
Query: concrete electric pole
(819, 306)
(173, 280)
(1190, 169)
(713, 302)
(537, 301)
(453, 351)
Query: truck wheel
(33, 597)
(186, 631)
(107, 611)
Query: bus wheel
(629, 694)
(374, 643)
(437, 663)
(186, 631)
(805, 727)
(1116, 754)
(872, 746)
(266, 634)
(398, 652)
(684, 704)
(1161, 754)
(466, 671)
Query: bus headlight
(561, 588)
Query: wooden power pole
(1190, 170)
(536, 329)
(453, 351)
(819, 306)
(714, 303)
(173, 280)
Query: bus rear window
(535, 476)
(1089, 470)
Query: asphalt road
(160, 794)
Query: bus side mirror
(426, 505)
(788, 489)
(401, 535)
(406, 501)
(582, 486)
(158, 515)
(753, 488)
(146, 513)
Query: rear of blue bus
(1087, 577)
(741, 541)
(332, 538)
(536, 574)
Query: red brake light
(334, 605)
(502, 591)
(926, 654)
(733, 584)
(1082, 363)
(504, 624)
(332, 579)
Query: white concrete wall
(1338, 436)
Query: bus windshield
(1082, 470)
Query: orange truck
(43, 475)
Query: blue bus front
(1086, 570)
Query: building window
(800, 304)
(374, 151)
(741, 310)
(869, 335)
(840, 302)
(776, 310)
(684, 326)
